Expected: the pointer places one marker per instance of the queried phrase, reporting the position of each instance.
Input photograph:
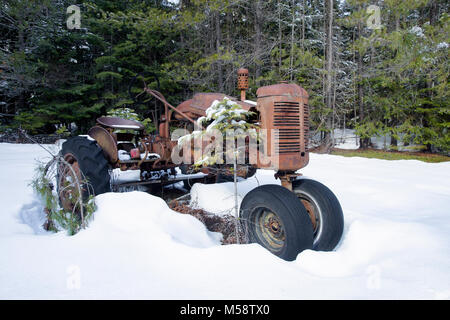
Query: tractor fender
(106, 141)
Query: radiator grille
(286, 119)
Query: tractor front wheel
(324, 211)
(274, 217)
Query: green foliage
(130, 114)
(148, 125)
(30, 121)
(404, 75)
(57, 218)
(63, 131)
(387, 155)
(56, 76)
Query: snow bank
(219, 198)
(395, 243)
(157, 223)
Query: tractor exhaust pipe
(242, 82)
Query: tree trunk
(229, 85)
(279, 39)
(434, 11)
(219, 62)
(363, 142)
(329, 69)
(394, 143)
(291, 55)
(303, 26)
(258, 38)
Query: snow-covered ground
(396, 242)
(347, 139)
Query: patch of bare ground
(225, 224)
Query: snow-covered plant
(57, 218)
(226, 117)
(124, 113)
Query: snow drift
(395, 243)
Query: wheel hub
(271, 230)
(273, 225)
(69, 182)
(311, 212)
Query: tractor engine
(283, 117)
(283, 113)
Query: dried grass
(225, 224)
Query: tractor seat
(119, 123)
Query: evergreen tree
(389, 80)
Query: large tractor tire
(89, 164)
(324, 210)
(274, 217)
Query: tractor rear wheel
(324, 211)
(274, 217)
(90, 166)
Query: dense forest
(379, 67)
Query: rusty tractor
(286, 219)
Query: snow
(216, 110)
(442, 45)
(150, 156)
(219, 198)
(87, 137)
(126, 126)
(250, 102)
(417, 31)
(395, 243)
(348, 139)
(123, 155)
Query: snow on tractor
(300, 214)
